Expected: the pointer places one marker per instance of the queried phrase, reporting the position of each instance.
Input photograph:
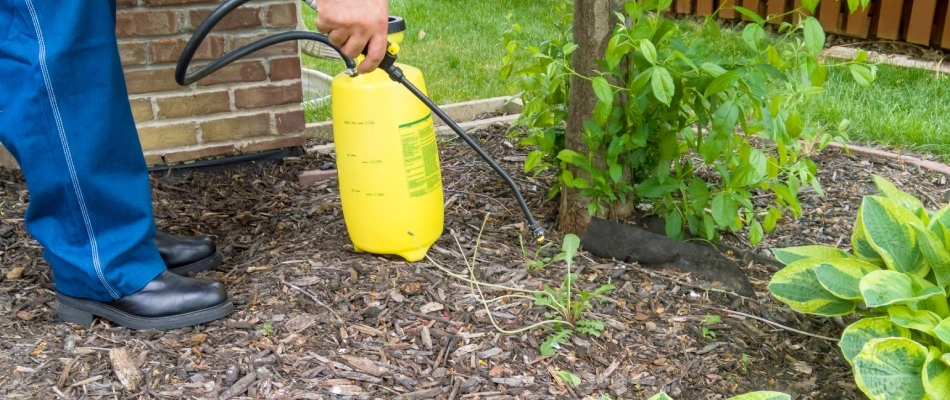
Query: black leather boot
(184, 254)
(168, 301)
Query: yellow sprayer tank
(388, 164)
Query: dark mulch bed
(316, 320)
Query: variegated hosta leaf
(884, 226)
(942, 216)
(842, 276)
(797, 285)
(891, 369)
(901, 198)
(861, 246)
(934, 252)
(789, 255)
(856, 335)
(919, 320)
(762, 396)
(936, 376)
(885, 287)
(942, 331)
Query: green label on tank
(420, 156)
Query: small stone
(232, 374)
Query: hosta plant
(896, 276)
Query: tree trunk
(593, 22)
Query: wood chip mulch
(315, 320)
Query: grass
(457, 44)
(904, 108)
(461, 50)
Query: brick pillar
(251, 105)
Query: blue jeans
(65, 117)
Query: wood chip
(431, 307)
(426, 337)
(239, 387)
(15, 273)
(369, 330)
(124, 368)
(365, 366)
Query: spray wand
(387, 65)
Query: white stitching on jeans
(69, 158)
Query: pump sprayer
(371, 142)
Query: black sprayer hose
(393, 71)
(397, 75)
(205, 28)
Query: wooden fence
(923, 22)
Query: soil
(315, 320)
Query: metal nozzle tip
(351, 72)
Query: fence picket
(921, 21)
(858, 23)
(945, 39)
(776, 7)
(889, 19)
(726, 11)
(829, 14)
(704, 7)
(684, 6)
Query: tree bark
(593, 22)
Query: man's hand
(354, 25)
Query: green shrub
(679, 128)
(897, 276)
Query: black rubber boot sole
(201, 265)
(80, 311)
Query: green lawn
(457, 44)
(459, 47)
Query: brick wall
(249, 106)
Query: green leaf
(936, 376)
(712, 69)
(884, 224)
(810, 5)
(942, 330)
(771, 219)
(842, 276)
(674, 225)
(751, 14)
(660, 396)
(616, 172)
(890, 369)
(819, 77)
(814, 36)
(789, 255)
(752, 35)
(856, 335)
(724, 210)
(721, 83)
(662, 84)
(569, 378)
(900, 197)
(862, 74)
(762, 396)
(885, 287)
(755, 232)
(602, 90)
(570, 246)
(935, 254)
(794, 125)
(860, 244)
(648, 50)
(919, 320)
(798, 286)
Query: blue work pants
(65, 116)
